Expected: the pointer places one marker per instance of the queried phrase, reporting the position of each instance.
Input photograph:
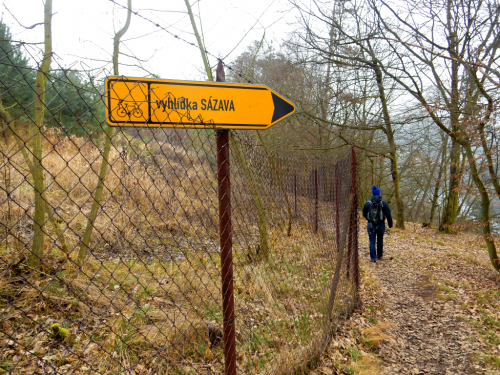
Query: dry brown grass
(127, 312)
(135, 185)
(374, 335)
(148, 298)
(367, 365)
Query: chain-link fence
(110, 256)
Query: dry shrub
(148, 185)
(374, 335)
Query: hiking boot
(373, 260)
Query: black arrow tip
(281, 108)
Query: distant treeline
(72, 98)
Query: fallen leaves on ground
(430, 306)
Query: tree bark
(439, 179)
(38, 171)
(451, 210)
(200, 43)
(427, 187)
(400, 221)
(485, 211)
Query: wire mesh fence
(110, 251)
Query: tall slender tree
(105, 154)
(37, 125)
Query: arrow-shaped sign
(167, 103)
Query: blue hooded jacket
(385, 209)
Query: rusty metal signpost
(226, 243)
(137, 102)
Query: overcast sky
(83, 31)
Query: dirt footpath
(427, 336)
(430, 306)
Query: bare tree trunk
(440, 175)
(450, 211)
(427, 187)
(7, 180)
(482, 123)
(324, 97)
(485, 211)
(420, 206)
(250, 176)
(200, 43)
(105, 154)
(37, 171)
(400, 221)
(465, 198)
(22, 147)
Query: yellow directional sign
(167, 103)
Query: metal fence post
(353, 239)
(226, 243)
(295, 190)
(316, 213)
(337, 206)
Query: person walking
(375, 211)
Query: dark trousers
(376, 236)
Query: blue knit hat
(376, 190)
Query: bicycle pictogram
(128, 110)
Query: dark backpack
(375, 213)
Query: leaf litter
(429, 306)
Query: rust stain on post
(295, 191)
(226, 243)
(316, 213)
(337, 206)
(354, 221)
